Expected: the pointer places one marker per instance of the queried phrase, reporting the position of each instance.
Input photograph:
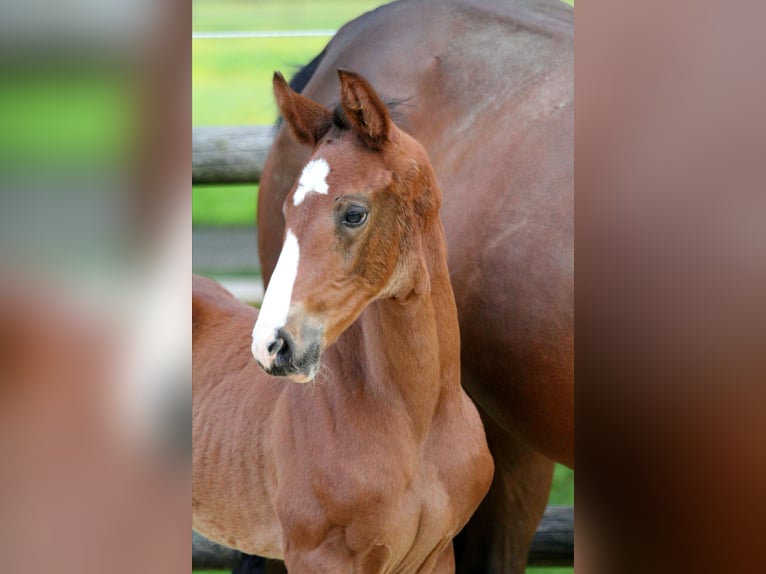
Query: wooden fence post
(233, 154)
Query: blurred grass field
(71, 119)
(231, 81)
(231, 85)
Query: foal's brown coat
(376, 465)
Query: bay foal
(377, 463)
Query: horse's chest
(399, 502)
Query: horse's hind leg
(497, 538)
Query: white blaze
(313, 178)
(276, 301)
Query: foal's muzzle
(285, 357)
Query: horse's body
(376, 465)
(488, 89)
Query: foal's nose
(275, 346)
(280, 349)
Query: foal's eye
(354, 217)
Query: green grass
(231, 78)
(224, 204)
(237, 15)
(562, 490)
(66, 118)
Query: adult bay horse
(488, 90)
(377, 463)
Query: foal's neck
(409, 348)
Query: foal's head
(353, 226)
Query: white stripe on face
(276, 301)
(313, 178)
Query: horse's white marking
(276, 301)
(313, 178)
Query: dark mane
(302, 76)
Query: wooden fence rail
(553, 544)
(233, 154)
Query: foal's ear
(308, 120)
(364, 109)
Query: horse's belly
(254, 534)
(233, 511)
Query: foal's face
(352, 224)
(346, 233)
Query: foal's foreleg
(445, 562)
(330, 556)
(333, 555)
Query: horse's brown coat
(489, 92)
(378, 463)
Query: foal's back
(228, 505)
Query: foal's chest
(385, 495)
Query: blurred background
(95, 350)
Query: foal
(377, 464)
